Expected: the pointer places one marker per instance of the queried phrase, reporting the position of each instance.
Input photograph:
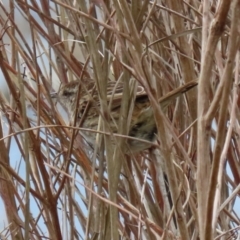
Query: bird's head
(67, 94)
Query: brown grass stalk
(54, 184)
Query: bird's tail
(168, 98)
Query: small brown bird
(142, 125)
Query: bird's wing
(115, 93)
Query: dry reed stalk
(59, 187)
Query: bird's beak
(53, 95)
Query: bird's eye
(67, 93)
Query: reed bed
(54, 185)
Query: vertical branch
(204, 125)
(223, 113)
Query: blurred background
(55, 185)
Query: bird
(142, 124)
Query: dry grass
(59, 187)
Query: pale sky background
(15, 156)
